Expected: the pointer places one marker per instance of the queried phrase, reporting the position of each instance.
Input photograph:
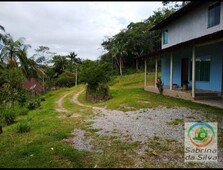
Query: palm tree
(118, 52)
(11, 49)
(59, 64)
(29, 67)
(73, 64)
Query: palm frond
(2, 28)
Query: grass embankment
(128, 94)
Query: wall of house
(165, 69)
(177, 59)
(214, 51)
(222, 77)
(192, 25)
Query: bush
(9, 116)
(34, 103)
(42, 99)
(65, 82)
(101, 93)
(66, 79)
(96, 75)
(22, 111)
(159, 85)
(22, 97)
(23, 127)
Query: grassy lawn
(128, 94)
(42, 146)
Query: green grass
(128, 94)
(42, 145)
(176, 122)
(33, 149)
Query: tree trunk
(120, 65)
(137, 64)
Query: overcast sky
(71, 26)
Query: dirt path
(75, 100)
(60, 107)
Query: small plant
(9, 116)
(43, 99)
(159, 85)
(22, 111)
(23, 127)
(34, 104)
(176, 122)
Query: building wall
(165, 69)
(177, 58)
(192, 25)
(222, 77)
(214, 51)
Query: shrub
(9, 115)
(23, 127)
(96, 75)
(22, 97)
(101, 93)
(22, 111)
(66, 79)
(159, 85)
(42, 99)
(34, 103)
(65, 82)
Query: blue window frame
(165, 37)
(214, 14)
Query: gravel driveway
(143, 125)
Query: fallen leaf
(154, 153)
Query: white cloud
(71, 26)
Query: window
(165, 37)
(202, 69)
(214, 15)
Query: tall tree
(11, 49)
(73, 64)
(136, 40)
(176, 4)
(30, 68)
(43, 55)
(59, 63)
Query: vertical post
(145, 80)
(156, 70)
(171, 70)
(137, 64)
(193, 71)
